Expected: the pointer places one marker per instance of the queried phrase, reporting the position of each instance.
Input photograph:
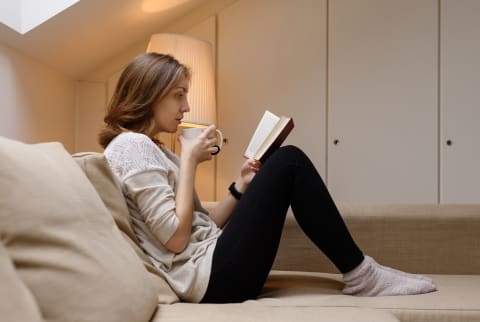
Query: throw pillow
(96, 168)
(64, 243)
(16, 301)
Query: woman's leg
(247, 247)
(245, 251)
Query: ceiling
(91, 32)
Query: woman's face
(168, 112)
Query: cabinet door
(460, 101)
(271, 55)
(383, 100)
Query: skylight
(24, 15)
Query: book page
(272, 137)
(266, 125)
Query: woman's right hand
(199, 149)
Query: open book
(269, 135)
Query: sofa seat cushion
(457, 298)
(251, 311)
(64, 244)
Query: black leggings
(246, 249)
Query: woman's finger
(216, 150)
(209, 132)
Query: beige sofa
(68, 253)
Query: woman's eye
(179, 95)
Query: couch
(68, 253)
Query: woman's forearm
(221, 213)
(184, 206)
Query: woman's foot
(373, 279)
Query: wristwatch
(235, 193)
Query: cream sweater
(148, 176)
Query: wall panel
(383, 105)
(271, 55)
(37, 103)
(460, 101)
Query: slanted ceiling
(89, 33)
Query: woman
(226, 255)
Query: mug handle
(220, 141)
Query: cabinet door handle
(449, 142)
(336, 141)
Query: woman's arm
(222, 212)
(194, 151)
(184, 206)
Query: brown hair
(148, 78)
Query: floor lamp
(197, 54)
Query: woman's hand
(247, 172)
(222, 212)
(199, 149)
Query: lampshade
(198, 56)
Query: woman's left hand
(222, 212)
(248, 170)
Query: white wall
(90, 110)
(37, 103)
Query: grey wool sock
(372, 279)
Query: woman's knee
(290, 151)
(288, 156)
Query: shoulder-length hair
(147, 79)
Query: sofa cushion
(251, 311)
(16, 301)
(63, 242)
(457, 298)
(97, 170)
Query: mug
(190, 133)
